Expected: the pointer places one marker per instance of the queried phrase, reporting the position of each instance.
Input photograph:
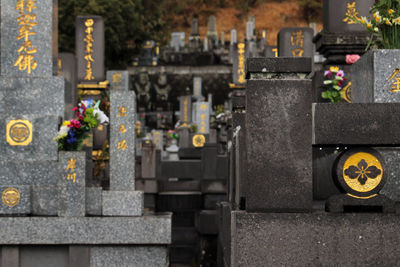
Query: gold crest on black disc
(361, 172)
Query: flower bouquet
(72, 133)
(334, 84)
(384, 26)
(172, 134)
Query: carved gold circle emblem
(361, 172)
(19, 132)
(198, 140)
(11, 197)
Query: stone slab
(122, 140)
(375, 76)
(98, 45)
(119, 79)
(15, 199)
(206, 222)
(148, 229)
(279, 65)
(34, 173)
(278, 120)
(94, 200)
(67, 69)
(45, 200)
(26, 96)
(123, 203)
(41, 40)
(334, 15)
(71, 184)
(41, 148)
(181, 169)
(265, 239)
(295, 42)
(356, 124)
(129, 256)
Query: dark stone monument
(296, 42)
(67, 68)
(89, 49)
(279, 150)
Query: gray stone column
(122, 199)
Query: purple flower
(328, 73)
(71, 137)
(340, 73)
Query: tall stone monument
(45, 198)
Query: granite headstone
(296, 42)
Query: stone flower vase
(173, 150)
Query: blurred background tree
(128, 23)
(312, 10)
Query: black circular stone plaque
(361, 172)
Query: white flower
(376, 29)
(101, 116)
(340, 78)
(327, 82)
(337, 87)
(63, 132)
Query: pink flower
(340, 73)
(351, 59)
(76, 124)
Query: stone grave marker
(201, 116)
(197, 88)
(177, 40)
(28, 154)
(239, 59)
(296, 42)
(118, 79)
(122, 199)
(335, 15)
(66, 65)
(185, 109)
(158, 139)
(89, 48)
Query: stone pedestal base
(123, 203)
(307, 239)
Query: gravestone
(185, 110)
(239, 59)
(194, 38)
(250, 27)
(122, 199)
(233, 37)
(49, 186)
(376, 77)
(118, 79)
(89, 48)
(279, 150)
(67, 68)
(158, 139)
(177, 40)
(212, 34)
(201, 116)
(335, 13)
(197, 89)
(28, 154)
(296, 42)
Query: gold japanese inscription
(395, 80)
(11, 197)
(89, 49)
(297, 42)
(241, 63)
(185, 109)
(117, 77)
(121, 112)
(71, 173)
(275, 50)
(26, 22)
(122, 128)
(122, 145)
(351, 12)
(19, 132)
